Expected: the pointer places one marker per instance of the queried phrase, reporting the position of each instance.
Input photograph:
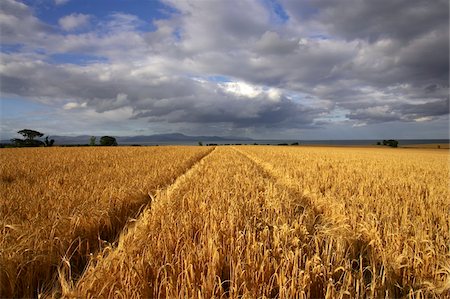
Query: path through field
(236, 222)
(238, 225)
(59, 206)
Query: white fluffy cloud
(74, 21)
(74, 105)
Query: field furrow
(386, 216)
(229, 221)
(59, 206)
(225, 229)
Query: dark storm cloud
(173, 99)
(241, 112)
(401, 112)
(399, 42)
(372, 61)
(389, 62)
(435, 108)
(373, 20)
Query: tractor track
(360, 251)
(69, 272)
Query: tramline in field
(246, 221)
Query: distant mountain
(176, 137)
(173, 137)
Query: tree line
(390, 142)
(30, 140)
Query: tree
(49, 142)
(92, 141)
(391, 143)
(29, 138)
(30, 134)
(108, 141)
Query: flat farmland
(59, 205)
(237, 222)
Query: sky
(265, 69)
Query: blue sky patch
(278, 9)
(75, 58)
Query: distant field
(237, 222)
(430, 145)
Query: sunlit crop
(243, 222)
(59, 205)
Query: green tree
(108, 141)
(92, 141)
(391, 142)
(29, 138)
(49, 142)
(30, 134)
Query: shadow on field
(57, 257)
(362, 258)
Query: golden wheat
(59, 205)
(258, 222)
(389, 206)
(243, 222)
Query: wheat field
(236, 222)
(60, 205)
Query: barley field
(235, 222)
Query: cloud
(74, 21)
(61, 2)
(18, 25)
(364, 62)
(401, 112)
(209, 25)
(74, 105)
(271, 43)
(122, 22)
(172, 99)
(402, 20)
(250, 91)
